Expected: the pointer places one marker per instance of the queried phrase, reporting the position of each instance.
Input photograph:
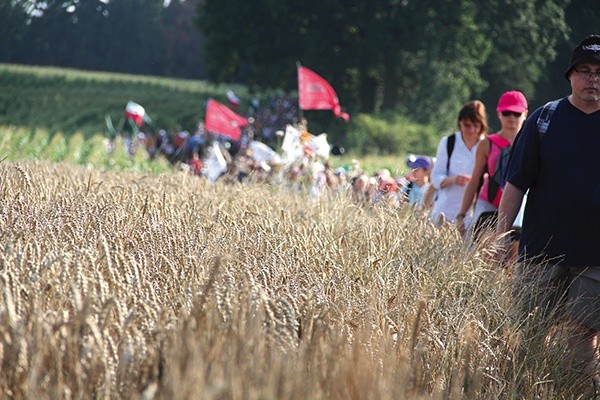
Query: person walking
(555, 158)
(455, 159)
(511, 111)
(417, 182)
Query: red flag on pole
(315, 93)
(222, 120)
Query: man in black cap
(556, 158)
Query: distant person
(360, 189)
(418, 182)
(387, 192)
(555, 158)
(455, 159)
(195, 164)
(511, 111)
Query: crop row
(91, 150)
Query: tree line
(419, 59)
(422, 59)
(131, 36)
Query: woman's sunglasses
(514, 114)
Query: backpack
(449, 149)
(497, 180)
(408, 188)
(543, 121)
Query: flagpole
(300, 113)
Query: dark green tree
(582, 20)
(525, 36)
(134, 36)
(441, 69)
(375, 54)
(420, 58)
(12, 29)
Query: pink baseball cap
(512, 101)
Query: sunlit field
(145, 285)
(126, 278)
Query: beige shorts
(556, 290)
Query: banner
(292, 147)
(220, 119)
(315, 93)
(296, 144)
(263, 153)
(135, 112)
(320, 145)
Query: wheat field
(118, 285)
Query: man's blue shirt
(561, 170)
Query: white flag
(215, 163)
(291, 147)
(263, 153)
(320, 145)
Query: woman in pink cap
(512, 112)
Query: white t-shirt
(462, 160)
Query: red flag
(222, 120)
(317, 94)
(135, 112)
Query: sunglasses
(508, 113)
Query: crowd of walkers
(309, 172)
(452, 186)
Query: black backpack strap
(543, 121)
(409, 187)
(449, 149)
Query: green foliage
(527, 43)
(131, 36)
(64, 102)
(413, 57)
(390, 134)
(448, 67)
(70, 100)
(372, 163)
(582, 20)
(89, 150)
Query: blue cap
(419, 162)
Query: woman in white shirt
(451, 175)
